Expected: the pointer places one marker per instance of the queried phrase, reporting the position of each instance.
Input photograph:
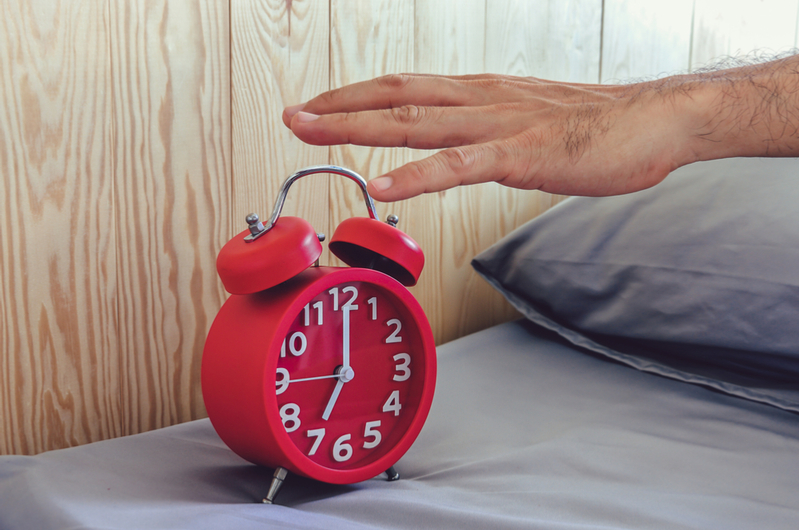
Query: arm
(566, 138)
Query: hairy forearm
(745, 111)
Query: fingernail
(294, 109)
(381, 183)
(305, 116)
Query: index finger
(387, 92)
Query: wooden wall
(136, 135)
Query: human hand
(564, 138)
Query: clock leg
(392, 474)
(277, 481)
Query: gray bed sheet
(526, 431)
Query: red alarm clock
(327, 372)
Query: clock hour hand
(332, 400)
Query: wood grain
(59, 375)
(134, 137)
(172, 197)
(645, 39)
(280, 57)
(723, 29)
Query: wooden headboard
(136, 136)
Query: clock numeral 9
(283, 383)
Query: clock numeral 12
(347, 305)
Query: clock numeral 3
(405, 360)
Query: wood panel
(59, 373)
(470, 219)
(280, 57)
(369, 38)
(135, 136)
(723, 28)
(645, 39)
(170, 63)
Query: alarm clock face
(350, 375)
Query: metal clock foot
(392, 474)
(277, 481)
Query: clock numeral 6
(290, 414)
(342, 451)
(393, 403)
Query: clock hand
(345, 338)
(332, 400)
(345, 372)
(315, 378)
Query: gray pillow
(696, 278)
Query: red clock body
(330, 374)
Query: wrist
(748, 111)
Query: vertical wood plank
(450, 39)
(553, 40)
(369, 38)
(645, 39)
(59, 377)
(723, 28)
(172, 174)
(280, 57)
(548, 39)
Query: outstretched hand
(565, 138)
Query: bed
(652, 383)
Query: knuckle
(458, 159)
(394, 81)
(408, 114)
(331, 95)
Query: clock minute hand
(345, 372)
(345, 338)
